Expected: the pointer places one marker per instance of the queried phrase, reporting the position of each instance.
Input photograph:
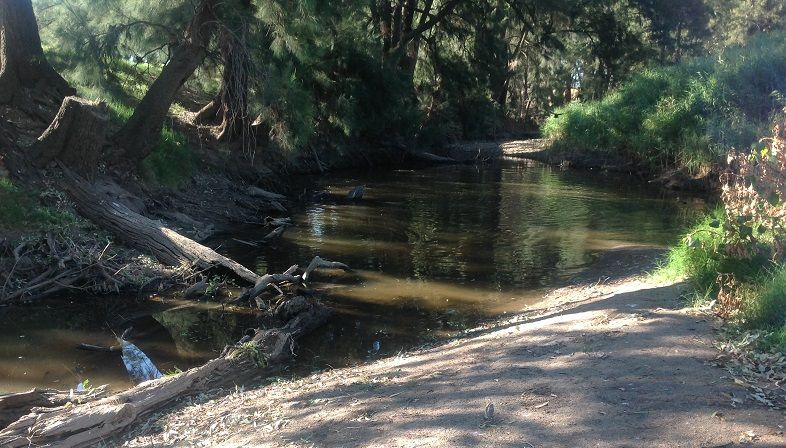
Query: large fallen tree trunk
(168, 246)
(86, 425)
(16, 405)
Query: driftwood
(260, 193)
(198, 289)
(273, 199)
(277, 233)
(263, 282)
(86, 425)
(431, 157)
(168, 246)
(289, 276)
(319, 263)
(16, 405)
(99, 348)
(75, 136)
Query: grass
(688, 115)
(172, 161)
(21, 210)
(699, 258)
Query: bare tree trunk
(140, 134)
(229, 110)
(22, 61)
(235, 122)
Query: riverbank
(606, 362)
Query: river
(435, 250)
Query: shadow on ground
(625, 369)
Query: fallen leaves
(762, 373)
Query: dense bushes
(689, 115)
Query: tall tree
(22, 61)
(141, 132)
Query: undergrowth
(23, 210)
(688, 115)
(699, 259)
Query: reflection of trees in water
(451, 225)
(197, 332)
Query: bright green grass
(699, 258)
(172, 162)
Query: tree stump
(75, 136)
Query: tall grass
(699, 258)
(687, 115)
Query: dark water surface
(436, 251)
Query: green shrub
(700, 257)
(689, 115)
(765, 304)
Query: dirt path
(619, 364)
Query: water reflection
(444, 248)
(435, 250)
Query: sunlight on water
(435, 251)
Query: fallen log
(14, 406)
(260, 193)
(86, 425)
(168, 246)
(431, 157)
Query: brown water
(436, 251)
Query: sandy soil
(613, 361)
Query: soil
(609, 361)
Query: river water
(435, 251)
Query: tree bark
(140, 134)
(23, 64)
(75, 136)
(168, 246)
(16, 405)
